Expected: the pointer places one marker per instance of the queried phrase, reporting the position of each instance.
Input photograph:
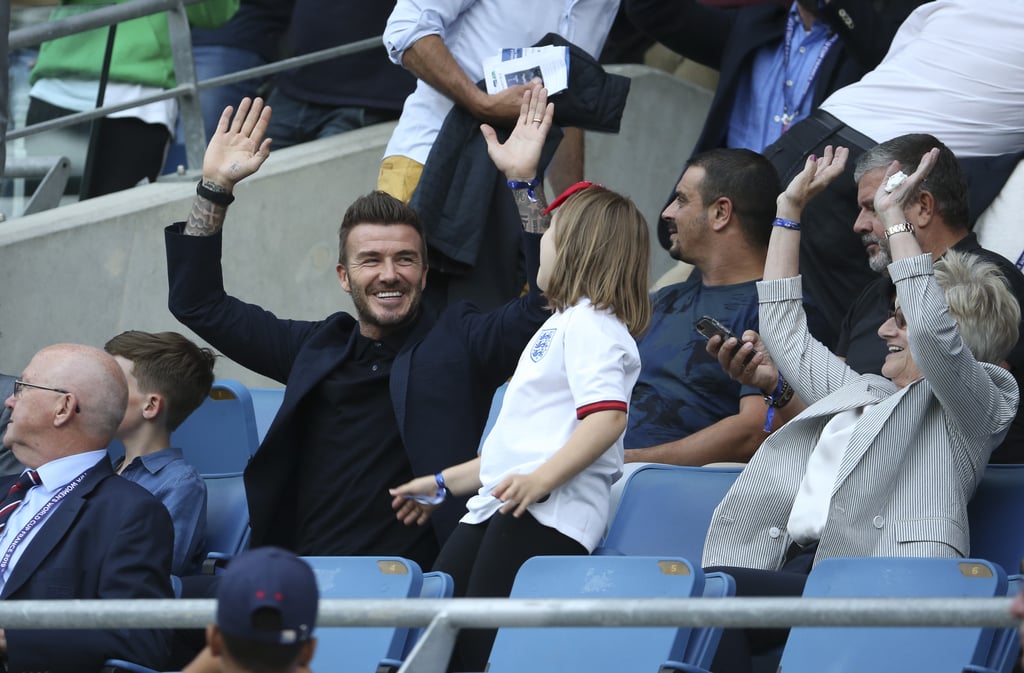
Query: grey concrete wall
(89, 270)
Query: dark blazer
(441, 384)
(109, 538)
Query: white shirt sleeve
(413, 20)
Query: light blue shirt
(167, 475)
(769, 89)
(54, 476)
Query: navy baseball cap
(268, 578)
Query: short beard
(880, 261)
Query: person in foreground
(876, 465)
(267, 604)
(544, 475)
(70, 527)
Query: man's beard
(879, 262)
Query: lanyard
(1020, 262)
(40, 515)
(789, 112)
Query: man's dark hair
(169, 364)
(378, 207)
(256, 656)
(945, 183)
(747, 179)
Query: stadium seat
(220, 436)
(492, 416)
(896, 650)
(436, 584)
(227, 519)
(362, 648)
(1006, 645)
(265, 403)
(666, 510)
(995, 516)
(597, 649)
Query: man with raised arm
(371, 399)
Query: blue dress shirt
(168, 476)
(769, 88)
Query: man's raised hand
(238, 147)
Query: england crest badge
(540, 347)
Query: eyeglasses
(897, 315)
(19, 387)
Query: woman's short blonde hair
(982, 303)
(602, 252)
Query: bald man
(71, 529)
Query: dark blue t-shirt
(681, 388)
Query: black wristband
(221, 198)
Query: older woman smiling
(873, 466)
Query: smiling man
(685, 410)
(371, 399)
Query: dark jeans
(483, 560)
(735, 650)
(295, 121)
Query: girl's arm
(461, 479)
(589, 440)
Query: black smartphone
(709, 327)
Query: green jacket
(142, 47)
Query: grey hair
(945, 183)
(982, 303)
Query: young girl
(545, 471)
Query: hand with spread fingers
(817, 174)
(238, 147)
(896, 193)
(519, 156)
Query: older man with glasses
(69, 528)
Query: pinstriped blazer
(912, 462)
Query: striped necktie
(27, 480)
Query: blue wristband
(437, 498)
(786, 224)
(528, 186)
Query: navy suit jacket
(109, 538)
(441, 383)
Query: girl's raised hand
(519, 156)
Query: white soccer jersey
(580, 361)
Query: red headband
(578, 187)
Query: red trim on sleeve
(607, 405)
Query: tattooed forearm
(530, 212)
(207, 217)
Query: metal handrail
(499, 612)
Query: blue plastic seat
(436, 584)
(666, 510)
(265, 403)
(904, 649)
(227, 519)
(220, 436)
(995, 516)
(597, 649)
(1006, 644)
(362, 648)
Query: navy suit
(109, 538)
(441, 382)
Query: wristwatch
(902, 227)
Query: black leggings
(483, 560)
